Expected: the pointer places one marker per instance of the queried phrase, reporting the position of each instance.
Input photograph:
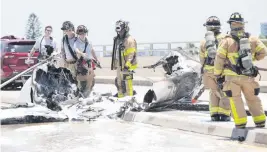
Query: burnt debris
(55, 85)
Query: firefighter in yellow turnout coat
(219, 104)
(124, 59)
(234, 59)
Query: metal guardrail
(150, 49)
(156, 48)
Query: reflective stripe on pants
(250, 88)
(219, 104)
(124, 84)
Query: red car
(14, 52)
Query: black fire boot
(224, 117)
(260, 125)
(215, 117)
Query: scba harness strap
(81, 68)
(73, 54)
(239, 68)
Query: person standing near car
(46, 45)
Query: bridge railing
(156, 48)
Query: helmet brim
(211, 25)
(229, 21)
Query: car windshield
(2, 46)
(19, 47)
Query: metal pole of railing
(104, 51)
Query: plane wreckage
(51, 93)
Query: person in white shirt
(46, 45)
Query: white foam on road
(37, 110)
(70, 112)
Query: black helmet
(213, 21)
(67, 25)
(236, 17)
(121, 25)
(81, 29)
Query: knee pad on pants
(123, 85)
(256, 91)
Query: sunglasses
(49, 30)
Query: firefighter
(234, 59)
(124, 59)
(219, 105)
(67, 50)
(83, 49)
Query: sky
(150, 20)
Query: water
(111, 136)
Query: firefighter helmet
(81, 29)
(236, 17)
(213, 21)
(67, 25)
(121, 25)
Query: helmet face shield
(120, 28)
(120, 25)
